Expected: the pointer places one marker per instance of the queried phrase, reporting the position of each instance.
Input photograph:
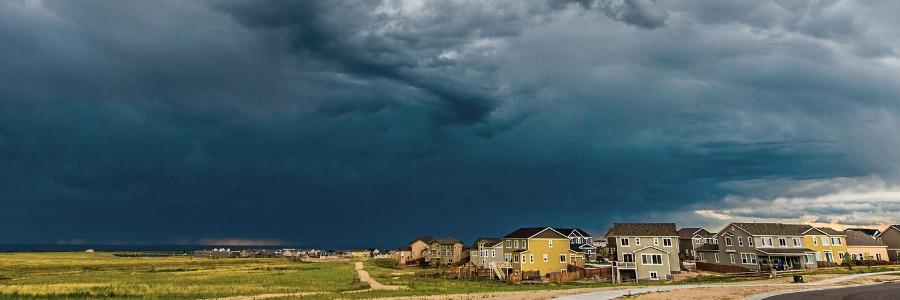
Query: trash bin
(798, 279)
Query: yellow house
(539, 251)
(830, 245)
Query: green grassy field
(102, 275)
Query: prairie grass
(102, 275)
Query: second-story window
(550, 243)
(740, 241)
(655, 241)
(796, 242)
(727, 241)
(667, 242)
(637, 241)
(517, 243)
(782, 242)
(824, 241)
(508, 244)
(524, 243)
(624, 242)
(766, 241)
(697, 241)
(836, 241)
(750, 241)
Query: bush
(386, 262)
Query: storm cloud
(376, 122)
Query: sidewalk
(612, 294)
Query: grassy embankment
(102, 275)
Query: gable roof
(687, 232)
(773, 228)
(425, 239)
(405, 248)
(830, 231)
(708, 247)
(643, 229)
(868, 231)
(445, 241)
(530, 232)
(488, 242)
(570, 231)
(859, 238)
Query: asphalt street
(868, 292)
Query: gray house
(643, 251)
(761, 246)
(691, 238)
(580, 241)
(486, 251)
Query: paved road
(867, 292)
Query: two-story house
(862, 246)
(484, 251)
(691, 238)
(643, 251)
(580, 241)
(891, 238)
(830, 245)
(539, 251)
(445, 251)
(419, 247)
(763, 246)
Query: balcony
(501, 264)
(625, 264)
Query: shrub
(386, 262)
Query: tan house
(419, 247)
(890, 237)
(862, 246)
(643, 251)
(445, 251)
(486, 251)
(538, 251)
(403, 254)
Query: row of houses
(268, 253)
(654, 251)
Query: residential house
(868, 231)
(689, 238)
(485, 251)
(762, 246)
(863, 246)
(445, 251)
(420, 247)
(580, 241)
(830, 245)
(404, 254)
(891, 238)
(538, 251)
(643, 251)
(361, 253)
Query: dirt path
(364, 277)
(267, 296)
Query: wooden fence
(467, 272)
(702, 266)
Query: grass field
(102, 275)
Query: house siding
(891, 239)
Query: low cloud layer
(173, 121)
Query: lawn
(102, 275)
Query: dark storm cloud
(174, 122)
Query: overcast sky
(370, 123)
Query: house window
(701, 256)
(727, 241)
(782, 242)
(878, 256)
(524, 244)
(474, 254)
(667, 242)
(853, 256)
(562, 258)
(740, 241)
(750, 241)
(653, 275)
(531, 258)
(731, 256)
(628, 257)
(507, 257)
(651, 259)
(824, 241)
(697, 241)
(766, 241)
(748, 258)
(624, 242)
(517, 243)
(516, 258)
(818, 256)
(637, 241)
(655, 241)
(508, 244)
(841, 255)
(815, 241)
(836, 241)
(796, 242)
(545, 257)
(551, 243)
(808, 258)
(493, 254)
(716, 256)
(523, 258)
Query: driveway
(866, 292)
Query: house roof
(445, 241)
(488, 242)
(859, 238)
(687, 232)
(425, 239)
(868, 231)
(708, 247)
(643, 229)
(830, 231)
(575, 248)
(405, 248)
(569, 231)
(773, 228)
(528, 232)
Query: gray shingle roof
(782, 250)
(708, 247)
(687, 232)
(445, 241)
(830, 231)
(643, 229)
(568, 231)
(773, 228)
(524, 233)
(488, 242)
(859, 238)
